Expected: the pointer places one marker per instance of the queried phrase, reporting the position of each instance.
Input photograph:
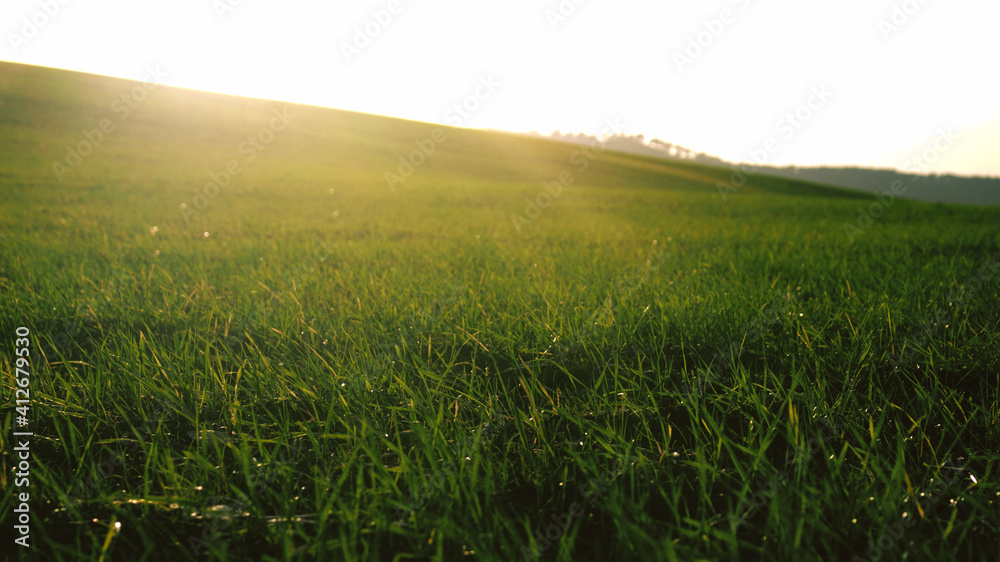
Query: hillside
(261, 330)
(48, 110)
(938, 188)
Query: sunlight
(719, 79)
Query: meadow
(260, 330)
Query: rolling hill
(938, 188)
(261, 330)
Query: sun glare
(721, 79)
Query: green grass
(344, 371)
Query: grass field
(307, 363)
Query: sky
(907, 84)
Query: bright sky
(724, 77)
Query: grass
(316, 366)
